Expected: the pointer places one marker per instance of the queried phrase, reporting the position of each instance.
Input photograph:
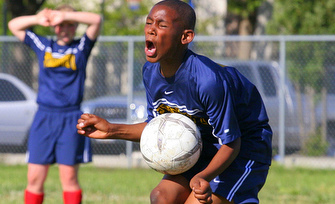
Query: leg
(71, 150)
(72, 193)
(172, 189)
(69, 177)
(36, 176)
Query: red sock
(72, 197)
(33, 198)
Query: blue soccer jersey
(53, 136)
(61, 70)
(221, 101)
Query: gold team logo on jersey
(163, 108)
(68, 61)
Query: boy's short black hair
(184, 9)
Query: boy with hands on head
(53, 136)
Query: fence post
(282, 75)
(129, 144)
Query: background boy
(62, 72)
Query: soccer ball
(171, 143)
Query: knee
(158, 197)
(68, 177)
(35, 179)
(70, 183)
(35, 184)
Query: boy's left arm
(223, 158)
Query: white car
(17, 107)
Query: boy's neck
(62, 43)
(169, 67)
(168, 72)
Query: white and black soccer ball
(171, 143)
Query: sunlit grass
(133, 186)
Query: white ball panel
(171, 143)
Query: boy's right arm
(95, 127)
(19, 24)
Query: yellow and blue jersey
(62, 70)
(220, 100)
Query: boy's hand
(43, 17)
(56, 17)
(201, 189)
(93, 126)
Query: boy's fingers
(87, 115)
(85, 120)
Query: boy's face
(65, 32)
(163, 31)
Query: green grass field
(133, 186)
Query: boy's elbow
(99, 20)
(10, 25)
(12, 28)
(98, 23)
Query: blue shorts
(53, 138)
(240, 182)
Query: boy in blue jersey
(226, 107)
(62, 71)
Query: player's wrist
(71, 15)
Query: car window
(267, 81)
(9, 92)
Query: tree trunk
(311, 95)
(245, 28)
(324, 115)
(262, 50)
(300, 113)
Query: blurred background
(286, 51)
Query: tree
(121, 19)
(18, 8)
(306, 17)
(21, 7)
(245, 14)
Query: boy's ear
(187, 37)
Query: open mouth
(150, 48)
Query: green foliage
(314, 145)
(244, 8)
(121, 20)
(302, 17)
(5, 15)
(305, 63)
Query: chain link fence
(294, 74)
